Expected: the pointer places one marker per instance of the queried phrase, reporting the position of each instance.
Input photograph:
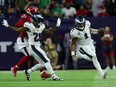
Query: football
(101, 32)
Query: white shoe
(105, 73)
(56, 78)
(107, 68)
(114, 68)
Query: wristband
(72, 53)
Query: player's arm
(93, 31)
(25, 8)
(73, 48)
(100, 32)
(21, 29)
(73, 45)
(52, 30)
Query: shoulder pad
(73, 33)
(26, 24)
(88, 23)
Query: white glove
(58, 22)
(5, 23)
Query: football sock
(41, 70)
(49, 68)
(23, 60)
(36, 67)
(97, 66)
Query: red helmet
(32, 9)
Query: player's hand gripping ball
(101, 32)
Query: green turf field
(72, 78)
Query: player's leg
(88, 53)
(22, 61)
(22, 44)
(97, 65)
(41, 56)
(43, 74)
(34, 68)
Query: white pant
(86, 51)
(38, 54)
(22, 44)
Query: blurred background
(100, 13)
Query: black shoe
(27, 75)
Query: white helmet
(80, 23)
(37, 17)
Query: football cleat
(107, 68)
(14, 71)
(114, 67)
(27, 75)
(44, 75)
(105, 73)
(56, 78)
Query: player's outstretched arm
(52, 30)
(100, 32)
(5, 23)
(94, 31)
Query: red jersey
(24, 18)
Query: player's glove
(101, 32)
(58, 22)
(5, 23)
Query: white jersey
(34, 33)
(84, 36)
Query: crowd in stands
(60, 8)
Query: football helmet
(80, 22)
(37, 18)
(32, 9)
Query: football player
(82, 43)
(34, 29)
(22, 42)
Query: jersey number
(36, 38)
(85, 35)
